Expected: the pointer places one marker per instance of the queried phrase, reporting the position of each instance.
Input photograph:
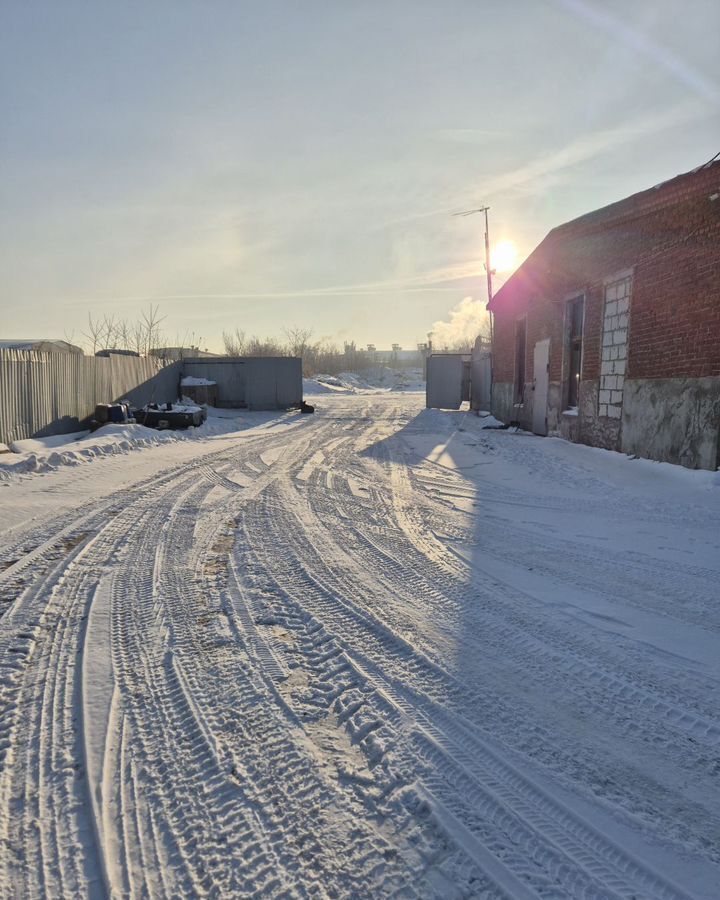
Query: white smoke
(467, 320)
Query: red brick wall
(675, 311)
(671, 236)
(592, 331)
(504, 339)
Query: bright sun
(504, 256)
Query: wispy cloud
(431, 281)
(530, 176)
(450, 278)
(469, 135)
(642, 43)
(592, 146)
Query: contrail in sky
(431, 281)
(577, 151)
(637, 40)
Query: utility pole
(488, 270)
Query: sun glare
(504, 256)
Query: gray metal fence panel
(228, 372)
(481, 392)
(258, 382)
(289, 382)
(444, 386)
(55, 393)
(274, 382)
(154, 387)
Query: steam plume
(466, 321)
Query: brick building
(609, 333)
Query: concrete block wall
(673, 419)
(616, 320)
(502, 400)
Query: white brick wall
(614, 347)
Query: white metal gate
(444, 386)
(481, 394)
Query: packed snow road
(375, 651)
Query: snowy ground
(374, 651)
(380, 378)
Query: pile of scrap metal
(153, 415)
(170, 415)
(111, 413)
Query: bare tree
(298, 340)
(69, 336)
(94, 333)
(151, 322)
(188, 343)
(298, 344)
(234, 342)
(123, 332)
(111, 333)
(136, 338)
(268, 346)
(319, 357)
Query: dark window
(575, 315)
(520, 327)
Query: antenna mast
(488, 270)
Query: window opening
(575, 316)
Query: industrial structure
(455, 378)
(252, 382)
(41, 345)
(609, 333)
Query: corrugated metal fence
(54, 393)
(257, 382)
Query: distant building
(609, 333)
(41, 345)
(175, 353)
(399, 356)
(116, 351)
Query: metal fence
(255, 382)
(228, 373)
(55, 393)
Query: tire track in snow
(655, 718)
(277, 755)
(334, 619)
(272, 732)
(46, 748)
(66, 859)
(526, 635)
(324, 543)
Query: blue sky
(259, 164)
